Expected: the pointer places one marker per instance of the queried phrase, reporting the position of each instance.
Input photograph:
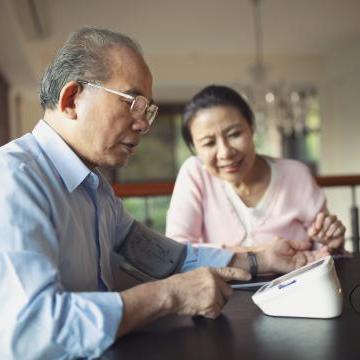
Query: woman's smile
(232, 167)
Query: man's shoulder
(18, 150)
(23, 152)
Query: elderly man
(64, 234)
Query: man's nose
(140, 124)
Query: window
(162, 151)
(158, 158)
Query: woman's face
(223, 140)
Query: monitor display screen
(295, 273)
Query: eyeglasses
(139, 105)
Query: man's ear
(67, 103)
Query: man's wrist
(263, 260)
(253, 263)
(241, 260)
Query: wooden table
(244, 332)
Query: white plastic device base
(312, 291)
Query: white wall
(25, 110)
(340, 104)
(340, 99)
(179, 77)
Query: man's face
(106, 132)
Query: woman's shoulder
(291, 171)
(193, 171)
(191, 161)
(192, 165)
(288, 165)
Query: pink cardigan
(200, 211)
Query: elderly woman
(228, 195)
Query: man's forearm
(143, 304)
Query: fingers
(329, 221)
(288, 247)
(334, 227)
(203, 291)
(223, 294)
(323, 251)
(311, 256)
(223, 291)
(319, 221)
(312, 231)
(232, 273)
(300, 259)
(335, 244)
(305, 257)
(299, 244)
(314, 255)
(327, 229)
(297, 253)
(317, 225)
(340, 231)
(334, 237)
(212, 312)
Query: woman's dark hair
(211, 96)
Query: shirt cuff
(200, 256)
(104, 312)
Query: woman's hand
(328, 230)
(282, 256)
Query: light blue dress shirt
(59, 222)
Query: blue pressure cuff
(199, 256)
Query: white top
(249, 216)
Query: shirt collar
(69, 166)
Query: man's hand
(203, 291)
(282, 256)
(328, 230)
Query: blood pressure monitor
(312, 291)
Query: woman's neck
(253, 187)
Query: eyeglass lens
(140, 107)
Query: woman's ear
(67, 103)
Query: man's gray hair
(83, 56)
